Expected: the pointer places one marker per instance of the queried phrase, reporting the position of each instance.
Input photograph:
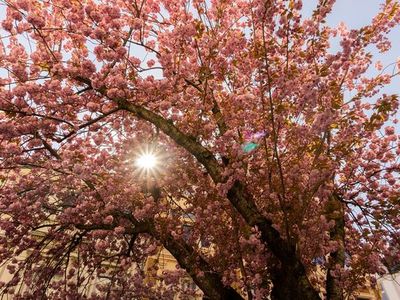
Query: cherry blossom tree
(277, 153)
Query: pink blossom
(108, 220)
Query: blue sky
(355, 13)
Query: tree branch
(209, 281)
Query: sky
(355, 13)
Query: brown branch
(106, 114)
(27, 114)
(210, 282)
(52, 151)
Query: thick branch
(210, 282)
(203, 155)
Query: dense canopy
(276, 153)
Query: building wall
(390, 286)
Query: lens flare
(146, 161)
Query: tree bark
(289, 285)
(335, 212)
(210, 282)
(290, 279)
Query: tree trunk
(290, 283)
(335, 212)
(290, 279)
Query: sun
(147, 161)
